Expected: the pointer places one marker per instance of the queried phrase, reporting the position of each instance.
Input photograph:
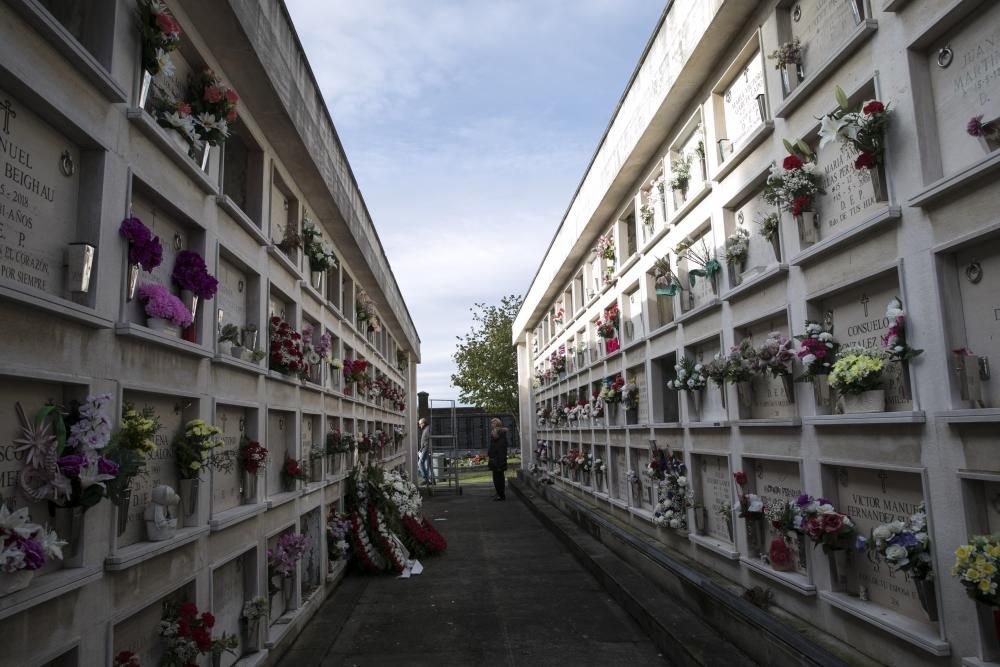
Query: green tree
(487, 359)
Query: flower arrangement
(144, 249)
(130, 446)
(605, 247)
(597, 404)
(599, 466)
(197, 448)
(290, 240)
(315, 350)
(737, 246)
(894, 339)
(977, 566)
(856, 371)
(558, 314)
(611, 391)
(63, 453)
(789, 53)
(751, 505)
(680, 174)
(903, 545)
(338, 529)
(188, 634)
(675, 496)
(286, 348)
(794, 185)
(818, 520)
(364, 309)
(655, 468)
(355, 372)
(715, 370)
(630, 395)
(558, 359)
(190, 273)
(160, 303)
(174, 114)
(213, 106)
(725, 510)
(632, 478)
(817, 349)
(646, 215)
(990, 131)
(160, 34)
(860, 131)
(286, 553)
(294, 470)
(253, 455)
(769, 226)
(255, 608)
(775, 355)
(26, 545)
(666, 282)
(690, 376)
(320, 257)
(701, 257)
(230, 334)
(126, 659)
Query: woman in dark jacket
(497, 453)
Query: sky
(469, 125)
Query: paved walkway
(505, 593)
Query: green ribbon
(712, 267)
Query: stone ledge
(848, 237)
(279, 499)
(227, 204)
(724, 549)
(922, 635)
(753, 140)
(139, 332)
(233, 516)
(140, 552)
(755, 282)
(694, 313)
(793, 581)
(239, 364)
(866, 418)
(969, 416)
(48, 586)
(57, 306)
(159, 137)
(945, 188)
(690, 204)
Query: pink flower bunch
(289, 550)
(894, 339)
(190, 273)
(286, 354)
(775, 355)
(159, 302)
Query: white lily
(17, 521)
(831, 129)
(51, 544)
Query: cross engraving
(8, 113)
(864, 302)
(883, 475)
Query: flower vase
(990, 141)
(316, 279)
(187, 510)
(586, 478)
(287, 590)
(78, 261)
(700, 520)
(877, 175)
(163, 326)
(905, 388)
(729, 527)
(632, 415)
(133, 281)
(251, 635)
(704, 169)
(316, 470)
(144, 88)
(788, 384)
(190, 301)
(680, 196)
(744, 392)
(790, 80)
(68, 524)
(800, 550)
(612, 414)
(755, 537)
(123, 507)
(217, 659)
(838, 567)
(696, 400)
(928, 597)
(807, 223)
(713, 282)
(776, 246)
(249, 487)
(11, 582)
(825, 396)
(866, 401)
(858, 11)
(970, 384)
(200, 155)
(736, 271)
(762, 107)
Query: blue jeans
(426, 470)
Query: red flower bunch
(865, 160)
(126, 659)
(286, 348)
(612, 315)
(294, 470)
(873, 107)
(214, 104)
(253, 455)
(741, 478)
(160, 33)
(189, 632)
(423, 537)
(801, 204)
(792, 162)
(355, 371)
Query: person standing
(424, 452)
(497, 453)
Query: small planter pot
(928, 597)
(163, 326)
(248, 488)
(68, 524)
(808, 222)
(866, 401)
(187, 510)
(11, 582)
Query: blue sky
(469, 124)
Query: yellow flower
(963, 552)
(194, 465)
(985, 586)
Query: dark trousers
(499, 482)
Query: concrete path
(506, 593)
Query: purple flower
(107, 467)
(34, 557)
(904, 539)
(144, 248)
(975, 127)
(803, 500)
(824, 501)
(71, 464)
(161, 303)
(190, 273)
(861, 544)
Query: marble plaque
(712, 407)
(739, 101)
(969, 86)
(981, 311)
(161, 465)
(39, 188)
(226, 485)
(619, 473)
(760, 254)
(276, 598)
(872, 497)
(174, 237)
(776, 482)
(769, 398)
(635, 315)
(138, 633)
(992, 492)
(307, 436)
(231, 299)
(823, 26)
(850, 197)
(312, 560)
(280, 431)
(228, 595)
(690, 149)
(859, 320)
(277, 306)
(715, 487)
(281, 206)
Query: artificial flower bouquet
(355, 372)
(715, 370)
(789, 53)
(856, 371)
(605, 247)
(630, 395)
(130, 445)
(144, 249)
(190, 273)
(770, 226)
(823, 524)
(860, 131)
(253, 456)
(126, 659)
(894, 339)
(286, 354)
(159, 303)
(320, 257)
(198, 447)
(255, 608)
(680, 174)
(988, 133)
(817, 349)
(338, 529)
(26, 547)
(751, 505)
(904, 545)
(699, 256)
(174, 114)
(213, 106)
(160, 34)
(977, 566)
(187, 634)
(666, 282)
(774, 355)
(293, 471)
(366, 312)
(793, 186)
(611, 391)
(558, 360)
(737, 246)
(741, 362)
(675, 495)
(690, 376)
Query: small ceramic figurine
(161, 524)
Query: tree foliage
(487, 359)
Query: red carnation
(801, 204)
(231, 96)
(183, 628)
(232, 115)
(166, 23)
(741, 478)
(865, 161)
(212, 94)
(792, 162)
(814, 527)
(275, 320)
(183, 108)
(873, 107)
(832, 522)
(208, 619)
(188, 610)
